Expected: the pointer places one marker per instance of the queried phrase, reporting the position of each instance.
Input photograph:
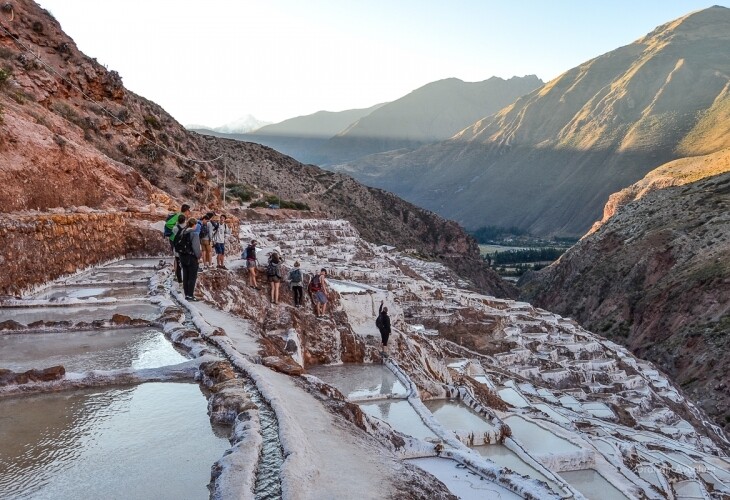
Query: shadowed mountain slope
(655, 276)
(548, 162)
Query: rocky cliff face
(548, 162)
(72, 135)
(656, 278)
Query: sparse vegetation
(273, 201)
(5, 75)
(240, 192)
(153, 122)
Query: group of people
(193, 242)
(275, 272)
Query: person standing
(205, 233)
(169, 232)
(296, 280)
(220, 231)
(318, 291)
(383, 324)
(188, 246)
(273, 272)
(176, 233)
(251, 262)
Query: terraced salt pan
(536, 439)
(91, 292)
(688, 490)
(458, 417)
(461, 481)
(77, 313)
(115, 274)
(401, 416)
(504, 457)
(554, 415)
(79, 351)
(592, 485)
(150, 441)
(513, 397)
(356, 381)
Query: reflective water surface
(401, 416)
(76, 314)
(78, 351)
(360, 381)
(592, 485)
(456, 416)
(149, 441)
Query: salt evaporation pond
(150, 441)
(504, 457)
(514, 398)
(456, 416)
(461, 481)
(401, 416)
(75, 314)
(116, 274)
(536, 439)
(592, 485)
(78, 351)
(61, 292)
(361, 381)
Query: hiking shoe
(192, 299)
(223, 267)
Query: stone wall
(41, 247)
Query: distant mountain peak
(243, 125)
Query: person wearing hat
(296, 281)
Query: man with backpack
(168, 232)
(251, 262)
(383, 325)
(176, 233)
(187, 245)
(296, 280)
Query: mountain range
(548, 161)
(243, 125)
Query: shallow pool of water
(456, 416)
(77, 313)
(504, 457)
(149, 441)
(536, 439)
(107, 349)
(361, 381)
(115, 274)
(592, 485)
(513, 398)
(554, 415)
(462, 482)
(60, 292)
(401, 416)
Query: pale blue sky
(211, 62)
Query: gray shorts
(250, 264)
(320, 297)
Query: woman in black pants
(189, 249)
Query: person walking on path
(318, 292)
(220, 231)
(274, 273)
(251, 262)
(296, 280)
(188, 246)
(383, 324)
(176, 233)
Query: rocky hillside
(656, 278)
(429, 114)
(71, 135)
(379, 216)
(548, 162)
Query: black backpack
(204, 230)
(273, 270)
(379, 322)
(184, 243)
(251, 252)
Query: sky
(212, 62)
